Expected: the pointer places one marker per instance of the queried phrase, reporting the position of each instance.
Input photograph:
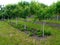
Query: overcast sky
(5, 2)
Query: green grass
(12, 36)
(49, 21)
(20, 38)
(53, 21)
(54, 39)
(31, 27)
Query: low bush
(38, 33)
(31, 34)
(47, 33)
(32, 31)
(29, 29)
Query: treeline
(26, 9)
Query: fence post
(57, 18)
(16, 21)
(43, 27)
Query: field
(13, 36)
(30, 23)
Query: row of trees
(24, 9)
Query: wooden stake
(16, 21)
(43, 28)
(57, 17)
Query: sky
(5, 2)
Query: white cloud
(5, 2)
(47, 2)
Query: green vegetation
(32, 28)
(19, 37)
(54, 38)
(52, 21)
(20, 24)
(12, 36)
(26, 9)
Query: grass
(36, 29)
(12, 36)
(49, 21)
(54, 39)
(53, 21)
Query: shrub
(21, 27)
(47, 33)
(29, 29)
(32, 31)
(38, 33)
(31, 34)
